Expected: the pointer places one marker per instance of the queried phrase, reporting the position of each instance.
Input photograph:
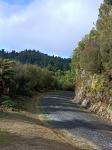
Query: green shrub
(8, 102)
(67, 85)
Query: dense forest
(24, 73)
(92, 64)
(53, 63)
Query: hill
(53, 63)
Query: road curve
(64, 114)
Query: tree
(104, 29)
(90, 57)
(6, 75)
(34, 57)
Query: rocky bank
(95, 93)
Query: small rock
(85, 103)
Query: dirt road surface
(62, 113)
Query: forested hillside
(53, 63)
(24, 73)
(92, 65)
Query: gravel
(62, 113)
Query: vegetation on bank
(17, 78)
(92, 61)
(52, 63)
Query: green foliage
(8, 102)
(97, 84)
(92, 59)
(53, 63)
(31, 78)
(6, 75)
(104, 29)
(94, 52)
(24, 79)
(65, 80)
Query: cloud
(52, 26)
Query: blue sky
(21, 2)
(51, 26)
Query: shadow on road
(80, 124)
(56, 103)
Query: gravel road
(64, 114)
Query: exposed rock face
(103, 110)
(94, 92)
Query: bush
(8, 102)
(68, 86)
(31, 78)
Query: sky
(51, 26)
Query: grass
(4, 137)
(3, 115)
